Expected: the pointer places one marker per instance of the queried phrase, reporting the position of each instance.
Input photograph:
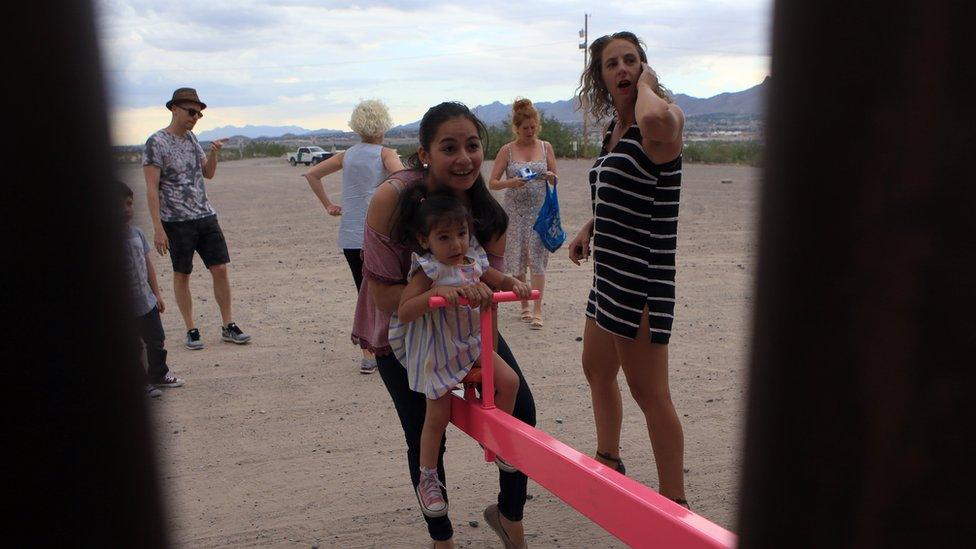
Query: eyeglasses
(192, 112)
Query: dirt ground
(283, 443)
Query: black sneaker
(168, 382)
(234, 334)
(193, 341)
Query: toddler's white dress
(439, 348)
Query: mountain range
(748, 102)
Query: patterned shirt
(182, 195)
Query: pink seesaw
(632, 512)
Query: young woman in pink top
(448, 160)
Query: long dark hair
(592, 93)
(419, 212)
(490, 219)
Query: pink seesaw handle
(437, 301)
(487, 341)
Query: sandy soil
(284, 443)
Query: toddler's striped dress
(439, 348)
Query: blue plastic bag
(548, 226)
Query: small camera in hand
(527, 174)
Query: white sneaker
(367, 365)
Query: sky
(304, 63)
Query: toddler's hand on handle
(521, 289)
(449, 293)
(478, 294)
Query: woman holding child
(523, 199)
(448, 162)
(634, 186)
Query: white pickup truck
(308, 156)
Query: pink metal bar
(436, 302)
(487, 358)
(487, 342)
(632, 512)
(488, 367)
(635, 514)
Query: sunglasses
(192, 112)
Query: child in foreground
(439, 347)
(147, 300)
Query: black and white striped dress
(635, 233)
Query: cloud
(253, 58)
(305, 98)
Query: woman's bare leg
(600, 365)
(646, 366)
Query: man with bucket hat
(184, 221)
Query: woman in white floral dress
(523, 200)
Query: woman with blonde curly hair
(634, 185)
(523, 199)
(364, 166)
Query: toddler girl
(439, 347)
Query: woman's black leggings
(411, 407)
(354, 257)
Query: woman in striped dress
(634, 185)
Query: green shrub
(405, 151)
(748, 153)
(561, 136)
(253, 149)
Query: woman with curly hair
(634, 187)
(523, 199)
(364, 166)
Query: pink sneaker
(430, 496)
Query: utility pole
(584, 45)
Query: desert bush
(253, 149)
(748, 153)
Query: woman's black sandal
(682, 502)
(620, 463)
